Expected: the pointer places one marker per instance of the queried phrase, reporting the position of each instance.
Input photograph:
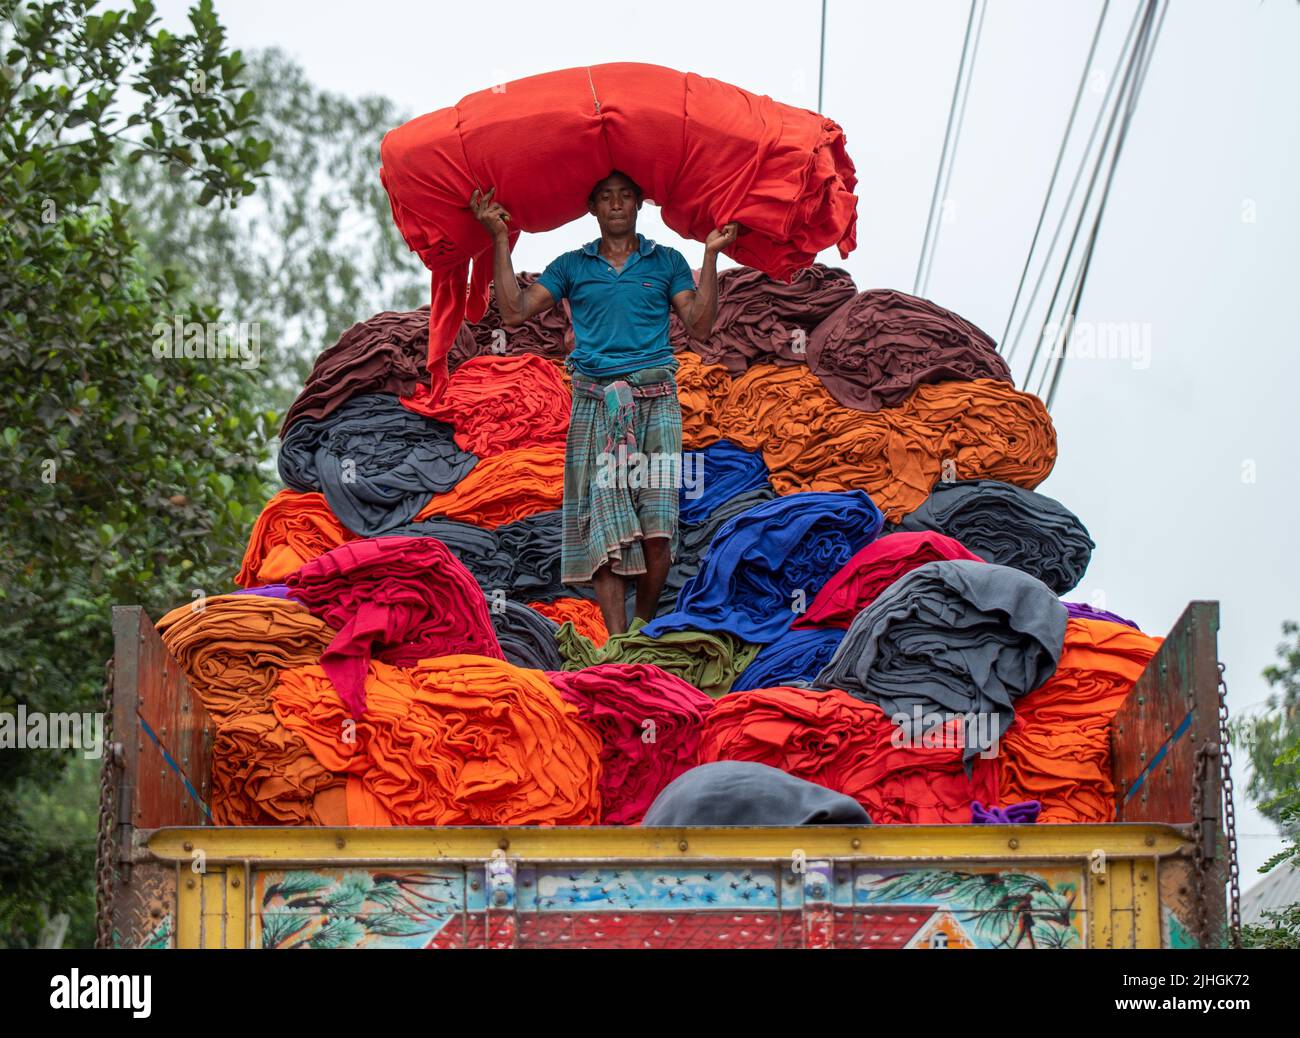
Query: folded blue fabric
(376, 462)
(771, 560)
(725, 470)
(797, 656)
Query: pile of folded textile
(861, 624)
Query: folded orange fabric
(847, 745)
(264, 774)
(702, 391)
(293, 529)
(1058, 750)
(456, 740)
(584, 614)
(983, 429)
(496, 404)
(501, 489)
(233, 647)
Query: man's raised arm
(515, 306)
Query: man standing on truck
(620, 288)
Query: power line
(948, 138)
(1110, 115)
(821, 64)
(1069, 198)
(1142, 63)
(1056, 169)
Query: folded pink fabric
(859, 581)
(649, 722)
(397, 599)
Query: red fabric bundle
(583, 613)
(704, 151)
(398, 599)
(649, 723)
(858, 582)
(498, 403)
(847, 745)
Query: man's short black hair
(640, 195)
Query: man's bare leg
(611, 596)
(650, 583)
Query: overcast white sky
(1151, 458)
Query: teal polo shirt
(620, 317)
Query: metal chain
(1200, 775)
(1200, 909)
(107, 839)
(1229, 813)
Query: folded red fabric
(849, 746)
(704, 151)
(856, 584)
(496, 404)
(399, 599)
(649, 723)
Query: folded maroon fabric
(649, 722)
(860, 580)
(548, 334)
(761, 320)
(385, 354)
(880, 345)
(397, 599)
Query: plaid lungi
(615, 497)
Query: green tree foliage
(315, 250)
(1272, 741)
(127, 477)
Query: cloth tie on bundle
(1013, 814)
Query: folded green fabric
(711, 662)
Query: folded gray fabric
(736, 792)
(694, 539)
(476, 548)
(376, 462)
(1011, 526)
(952, 637)
(533, 544)
(527, 637)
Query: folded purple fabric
(1022, 813)
(266, 591)
(1087, 612)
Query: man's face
(615, 206)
